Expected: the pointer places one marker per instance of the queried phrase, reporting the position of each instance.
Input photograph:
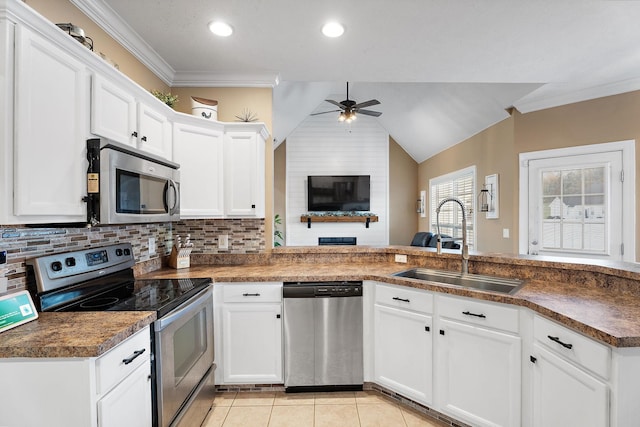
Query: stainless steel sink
(474, 281)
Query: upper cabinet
(244, 174)
(44, 159)
(117, 115)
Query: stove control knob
(56, 266)
(118, 252)
(70, 262)
(127, 252)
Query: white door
(403, 349)
(243, 175)
(113, 111)
(198, 151)
(478, 374)
(564, 395)
(154, 132)
(51, 101)
(128, 404)
(578, 202)
(252, 343)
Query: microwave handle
(174, 208)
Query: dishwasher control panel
(321, 289)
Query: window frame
(471, 211)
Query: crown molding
(208, 79)
(107, 19)
(557, 94)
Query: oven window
(189, 344)
(139, 194)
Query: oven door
(183, 354)
(135, 189)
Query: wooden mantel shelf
(322, 218)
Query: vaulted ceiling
(443, 70)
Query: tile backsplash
(246, 236)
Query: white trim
(211, 79)
(628, 149)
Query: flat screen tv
(330, 193)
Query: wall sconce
(488, 197)
(420, 204)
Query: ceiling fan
(349, 108)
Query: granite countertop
(596, 311)
(86, 334)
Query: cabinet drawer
(252, 292)
(480, 313)
(573, 346)
(406, 298)
(112, 367)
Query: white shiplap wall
(323, 146)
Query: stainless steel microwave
(125, 186)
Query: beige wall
(280, 184)
(62, 11)
(403, 193)
(496, 150)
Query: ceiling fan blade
(336, 103)
(368, 103)
(369, 113)
(324, 112)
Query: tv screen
(338, 193)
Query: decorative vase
(205, 108)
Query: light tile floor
(339, 409)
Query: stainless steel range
(102, 279)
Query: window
(459, 184)
(572, 202)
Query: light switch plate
(223, 241)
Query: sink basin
(474, 281)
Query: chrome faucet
(465, 248)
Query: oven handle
(171, 184)
(193, 305)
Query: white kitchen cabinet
(50, 126)
(252, 333)
(80, 392)
(244, 177)
(199, 151)
(403, 342)
(569, 373)
(116, 114)
(478, 362)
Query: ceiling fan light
(220, 28)
(333, 29)
(342, 117)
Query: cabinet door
(244, 175)
(403, 352)
(198, 150)
(129, 403)
(564, 395)
(252, 343)
(478, 374)
(51, 104)
(154, 131)
(113, 111)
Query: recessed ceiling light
(333, 29)
(221, 29)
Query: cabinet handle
(401, 299)
(132, 357)
(134, 134)
(144, 138)
(557, 339)
(533, 359)
(441, 331)
(427, 328)
(277, 316)
(253, 206)
(250, 295)
(468, 313)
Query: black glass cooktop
(159, 295)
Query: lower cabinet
(251, 328)
(568, 376)
(403, 344)
(80, 392)
(478, 362)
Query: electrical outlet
(401, 258)
(3, 284)
(152, 245)
(223, 241)
(505, 233)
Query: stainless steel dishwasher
(322, 336)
